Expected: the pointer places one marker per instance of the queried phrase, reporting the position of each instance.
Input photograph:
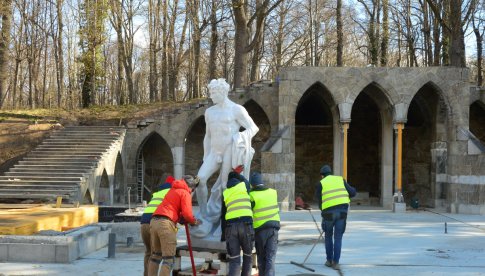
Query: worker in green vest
(157, 198)
(266, 223)
(334, 195)
(237, 223)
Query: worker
(157, 198)
(176, 205)
(237, 223)
(266, 223)
(333, 194)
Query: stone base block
(398, 207)
(208, 243)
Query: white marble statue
(224, 149)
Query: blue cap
(256, 179)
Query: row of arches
(371, 142)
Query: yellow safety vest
(333, 191)
(237, 202)
(157, 198)
(265, 206)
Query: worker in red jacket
(176, 205)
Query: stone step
(68, 142)
(82, 135)
(40, 177)
(67, 150)
(80, 139)
(67, 147)
(36, 195)
(67, 154)
(15, 186)
(51, 169)
(42, 173)
(53, 166)
(94, 128)
(52, 181)
(62, 159)
(50, 161)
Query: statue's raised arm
(225, 147)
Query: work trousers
(163, 236)
(334, 223)
(145, 237)
(239, 236)
(266, 241)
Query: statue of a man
(225, 148)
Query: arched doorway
(426, 125)
(104, 191)
(194, 148)
(313, 138)
(262, 121)
(154, 164)
(87, 199)
(477, 120)
(370, 132)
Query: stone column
(178, 162)
(386, 163)
(438, 177)
(398, 205)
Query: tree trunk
(457, 38)
(213, 41)
(165, 54)
(241, 38)
(60, 55)
(436, 41)
(385, 32)
(340, 35)
(153, 23)
(479, 41)
(6, 14)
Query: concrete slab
(377, 242)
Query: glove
(238, 169)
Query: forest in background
(74, 54)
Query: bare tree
(6, 15)
(242, 43)
(340, 35)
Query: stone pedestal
(209, 243)
(399, 207)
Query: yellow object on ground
(27, 220)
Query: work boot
(336, 266)
(328, 263)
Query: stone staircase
(62, 165)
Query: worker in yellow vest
(266, 223)
(333, 194)
(237, 224)
(157, 198)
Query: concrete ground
(377, 242)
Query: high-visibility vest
(237, 202)
(265, 206)
(333, 191)
(157, 198)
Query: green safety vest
(265, 206)
(237, 202)
(156, 200)
(333, 191)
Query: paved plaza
(376, 242)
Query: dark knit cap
(325, 170)
(256, 179)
